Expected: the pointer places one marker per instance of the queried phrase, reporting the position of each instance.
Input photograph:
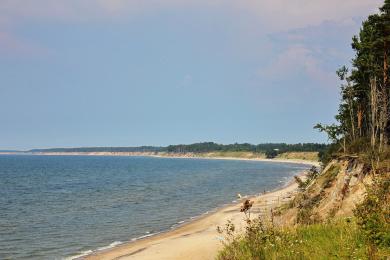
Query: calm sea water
(55, 207)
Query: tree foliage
(365, 90)
(271, 149)
(204, 147)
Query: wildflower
(246, 207)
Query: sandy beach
(174, 155)
(198, 239)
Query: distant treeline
(98, 149)
(260, 148)
(270, 149)
(206, 147)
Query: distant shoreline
(169, 155)
(277, 160)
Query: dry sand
(174, 155)
(198, 239)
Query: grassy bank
(308, 156)
(234, 154)
(340, 240)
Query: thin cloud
(277, 14)
(292, 61)
(267, 16)
(9, 43)
(286, 15)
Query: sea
(64, 207)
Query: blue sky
(128, 73)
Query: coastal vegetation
(344, 210)
(267, 148)
(363, 126)
(337, 240)
(322, 221)
(304, 151)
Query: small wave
(180, 222)
(85, 253)
(88, 252)
(113, 244)
(148, 234)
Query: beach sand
(173, 156)
(197, 239)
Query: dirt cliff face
(334, 193)
(345, 190)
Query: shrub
(311, 175)
(373, 214)
(270, 154)
(305, 215)
(327, 155)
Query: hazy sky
(155, 72)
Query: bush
(270, 154)
(373, 214)
(311, 175)
(360, 145)
(327, 154)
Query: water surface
(52, 207)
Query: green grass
(340, 240)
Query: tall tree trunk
(385, 99)
(386, 90)
(385, 65)
(360, 119)
(374, 111)
(351, 114)
(383, 119)
(345, 143)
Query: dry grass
(310, 156)
(237, 154)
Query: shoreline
(276, 160)
(171, 156)
(196, 238)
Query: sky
(76, 73)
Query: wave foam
(144, 236)
(88, 252)
(85, 253)
(113, 244)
